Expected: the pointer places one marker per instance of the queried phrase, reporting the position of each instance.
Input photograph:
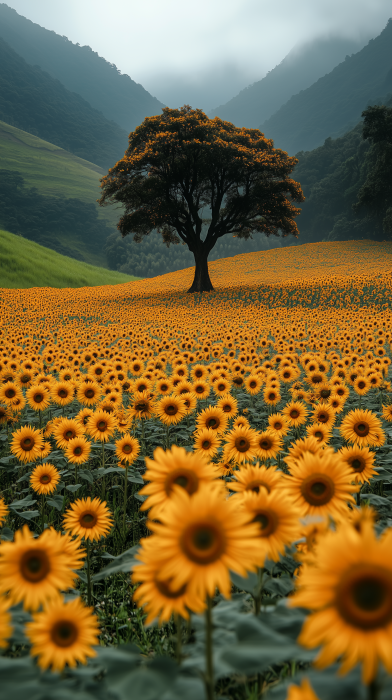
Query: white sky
(178, 49)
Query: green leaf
(86, 475)
(56, 502)
(279, 586)
(6, 534)
(249, 584)
(23, 503)
(28, 514)
(73, 488)
(124, 562)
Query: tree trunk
(201, 281)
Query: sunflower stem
(125, 502)
(88, 573)
(373, 690)
(167, 437)
(209, 674)
(143, 438)
(178, 621)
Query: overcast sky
(201, 52)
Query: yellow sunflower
(127, 448)
(229, 405)
(253, 384)
(360, 460)
(271, 396)
(33, 570)
(361, 427)
(63, 634)
(278, 423)
(268, 444)
(320, 484)
(201, 538)
(278, 519)
(44, 478)
(88, 393)
(213, 418)
(323, 413)
(101, 426)
(62, 393)
(27, 444)
(320, 432)
(164, 386)
(207, 442)
(5, 623)
(78, 450)
(159, 598)
(83, 416)
(201, 389)
(362, 385)
(3, 511)
(88, 518)
(241, 444)
(65, 430)
(38, 397)
(256, 477)
(296, 413)
(222, 386)
(348, 585)
(170, 410)
(9, 392)
(190, 402)
(387, 412)
(142, 406)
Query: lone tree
(196, 179)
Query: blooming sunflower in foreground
(65, 430)
(241, 444)
(360, 460)
(78, 450)
(33, 570)
(27, 444)
(3, 511)
(321, 484)
(252, 477)
(201, 538)
(170, 410)
(88, 518)
(170, 468)
(361, 427)
(127, 449)
(158, 596)
(63, 634)
(44, 478)
(5, 622)
(278, 519)
(101, 426)
(348, 585)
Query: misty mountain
(299, 69)
(37, 103)
(80, 69)
(333, 104)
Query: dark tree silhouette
(195, 179)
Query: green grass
(24, 264)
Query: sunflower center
(45, 478)
(221, 387)
(186, 478)
(102, 425)
(69, 434)
(255, 486)
(325, 393)
(171, 409)
(203, 543)
(318, 434)
(88, 520)
(242, 444)
(199, 389)
(316, 379)
(206, 444)
(226, 408)
(265, 444)
(127, 449)
(364, 597)
(164, 587)
(27, 444)
(63, 393)
(253, 385)
(267, 521)
(212, 423)
(78, 451)
(317, 489)
(38, 398)
(361, 429)
(10, 393)
(277, 426)
(89, 394)
(294, 413)
(141, 406)
(64, 633)
(34, 565)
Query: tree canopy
(196, 179)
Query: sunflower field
(196, 490)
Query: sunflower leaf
(73, 487)
(124, 562)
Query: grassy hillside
(333, 104)
(24, 264)
(80, 69)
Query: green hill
(35, 102)
(24, 264)
(333, 104)
(80, 70)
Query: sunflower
(164, 386)
(323, 391)
(88, 518)
(278, 423)
(3, 511)
(24, 379)
(181, 386)
(358, 517)
(240, 422)
(319, 431)
(127, 448)
(221, 386)
(336, 403)
(302, 692)
(201, 389)
(44, 478)
(27, 444)
(362, 385)
(323, 413)
(77, 450)
(88, 393)
(296, 413)
(201, 538)
(198, 372)
(159, 598)
(387, 413)
(361, 427)
(271, 396)
(71, 546)
(83, 416)
(229, 405)
(142, 406)
(63, 634)
(101, 426)
(65, 430)
(299, 447)
(241, 444)
(253, 384)
(9, 392)
(62, 393)
(278, 519)
(348, 586)
(38, 397)
(252, 477)
(123, 421)
(170, 410)
(213, 418)
(5, 623)
(268, 444)
(341, 390)
(33, 570)
(190, 402)
(315, 379)
(207, 442)
(225, 468)
(320, 484)
(360, 460)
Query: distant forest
(35, 102)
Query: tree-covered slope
(80, 70)
(302, 66)
(334, 103)
(35, 102)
